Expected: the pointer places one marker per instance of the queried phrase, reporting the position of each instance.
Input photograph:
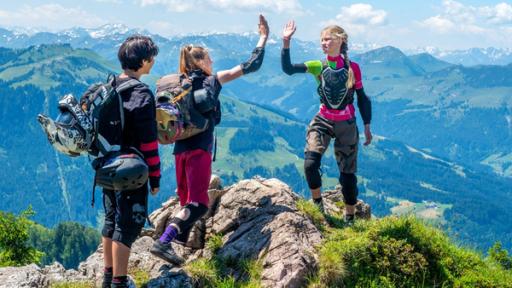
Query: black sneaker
(166, 252)
(349, 219)
(107, 280)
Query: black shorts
(125, 214)
(346, 139)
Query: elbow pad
(254, 63)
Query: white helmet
(70, 133)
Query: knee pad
(108, 229)
(312, 161)
(186, 218)
(126, 238)
(348, 182)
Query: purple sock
(170, 233)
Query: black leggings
(348, 181)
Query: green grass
(216, 272)
(203, 272)
(401, 252)
(72, 285)
(214, 243)
(140, 277)
(312, 211)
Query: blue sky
(445, 24)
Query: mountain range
(93, 37)
(443, 151)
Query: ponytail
(190, 57)
(351, 78)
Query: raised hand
(289, 29)
(263, 26)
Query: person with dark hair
(338, 79)
(194, 155)
(126, 211)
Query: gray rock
(25, 276)
(215, 183)
(260, 221)
(331, 197)
(257, 220)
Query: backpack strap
(120, 89)
(186, 85)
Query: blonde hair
(189, 58)
(339, 33)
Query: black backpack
(104, 105)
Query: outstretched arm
(254, 62)
(286, 62)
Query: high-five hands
(263, 26)
(289, 29)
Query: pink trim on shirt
(338, 59)
(340, 62)
(155, 173)
(152, 161)
(149, 146)
(338, 115)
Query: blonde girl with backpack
(338, 80)
(193, 155)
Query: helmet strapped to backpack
(176, 115)
(71, 133)
(94, 126)
(121, 171)
(333, 89)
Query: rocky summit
(255, 219)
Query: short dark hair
(135, 49)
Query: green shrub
(402, 252)
(140, 277)
(500, 256)
(14, 235)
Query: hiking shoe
(349, 219)
(166, 252)
(107, 281)
(320, 204)
(128, 283)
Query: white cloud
(362, 14)
(359, 18)
(279, 6)
(499, 14)
(161, 27)
(110, 1)
(457, 17)
(439, 23)
(49, 16)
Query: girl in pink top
(338, 80)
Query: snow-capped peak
(110, 29)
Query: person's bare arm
(254, 62)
